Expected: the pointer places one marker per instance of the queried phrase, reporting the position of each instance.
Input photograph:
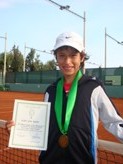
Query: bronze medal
(63, 141)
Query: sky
(37, 23)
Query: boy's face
(69, 60)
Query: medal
(63, 141)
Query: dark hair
(66, 47)
(83, 63)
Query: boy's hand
(9, 124)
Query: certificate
(31, 125)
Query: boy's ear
(82, 56)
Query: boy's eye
(74, 54)
(61, 55)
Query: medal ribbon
(70, 102)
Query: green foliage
(30, 60)
(9, 59)
(4, 88)
(1, 61)
(50, 65)
(15, 61)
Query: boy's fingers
(9, 124)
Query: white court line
(110, 146)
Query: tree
(9, 60)
(17, 62)
(30, 60)
(50, 65)
(37, 64)
(33, 63)
(1, 61)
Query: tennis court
(19, 156)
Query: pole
(24, 60)
(4, 67)
(105, 63)
(84, 21)
(72, 12)
(107, 35)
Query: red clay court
(14, 156)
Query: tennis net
(12, 155)
(108, 152)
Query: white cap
(69, 39)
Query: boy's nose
(68, 59)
